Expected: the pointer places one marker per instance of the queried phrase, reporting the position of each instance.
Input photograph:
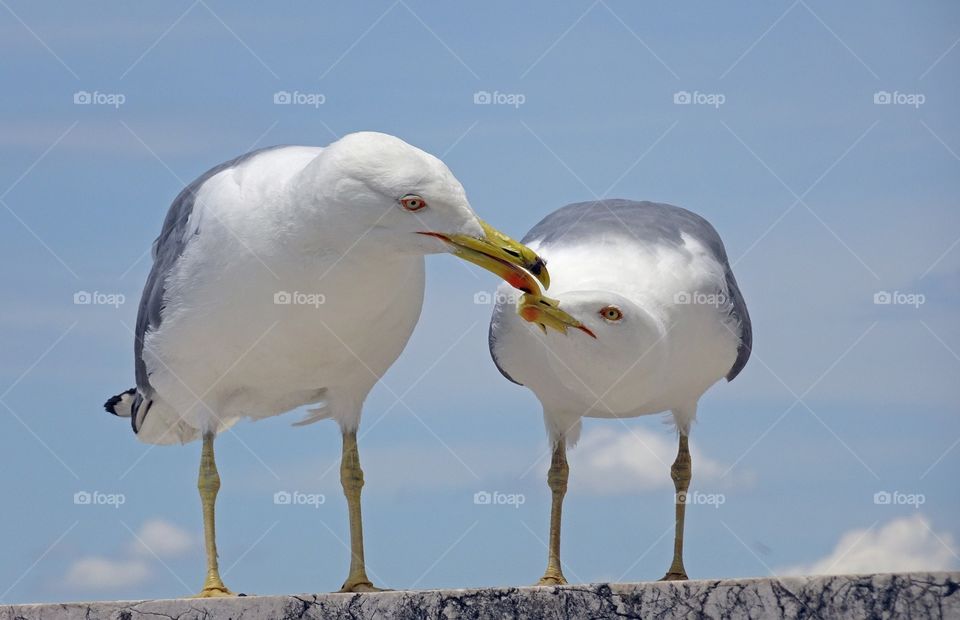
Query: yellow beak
(502, 255)
(546, 312)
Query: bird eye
(611, 313)
(412, 202)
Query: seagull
(291, 276)
(646, 316)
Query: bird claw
(552, 580)
(360, 586)
(214, 592)
(675, 576)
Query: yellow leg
(557, 481)
(209, 484)
(351, 477)
(681, 473)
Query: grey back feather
(167, 249)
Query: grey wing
(644, 222)
(739, 312)
(495, 319)
(167, 249)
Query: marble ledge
(899, 595)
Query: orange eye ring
(412, 202)
(611, 314)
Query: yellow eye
(412, 202)
(611, 313)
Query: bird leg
(681, 472)
(557, 481)
(209, 484)
(351, 477)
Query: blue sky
(825, 193)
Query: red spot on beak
(519, 280)
(529, 313)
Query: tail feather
(121, 405)
(163, 426)
(130, 404)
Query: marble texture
(905, 595)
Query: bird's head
(599, 342)
(409, 202)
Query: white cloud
(98, 573)
(612, 459)
(903, 544)
(156, 537)
(162, 538)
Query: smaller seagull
(659, 319)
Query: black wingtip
(111, 405)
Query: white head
(613, 353)
(378, 187)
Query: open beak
(546, 312)
(502, 255)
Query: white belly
(250, 343)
